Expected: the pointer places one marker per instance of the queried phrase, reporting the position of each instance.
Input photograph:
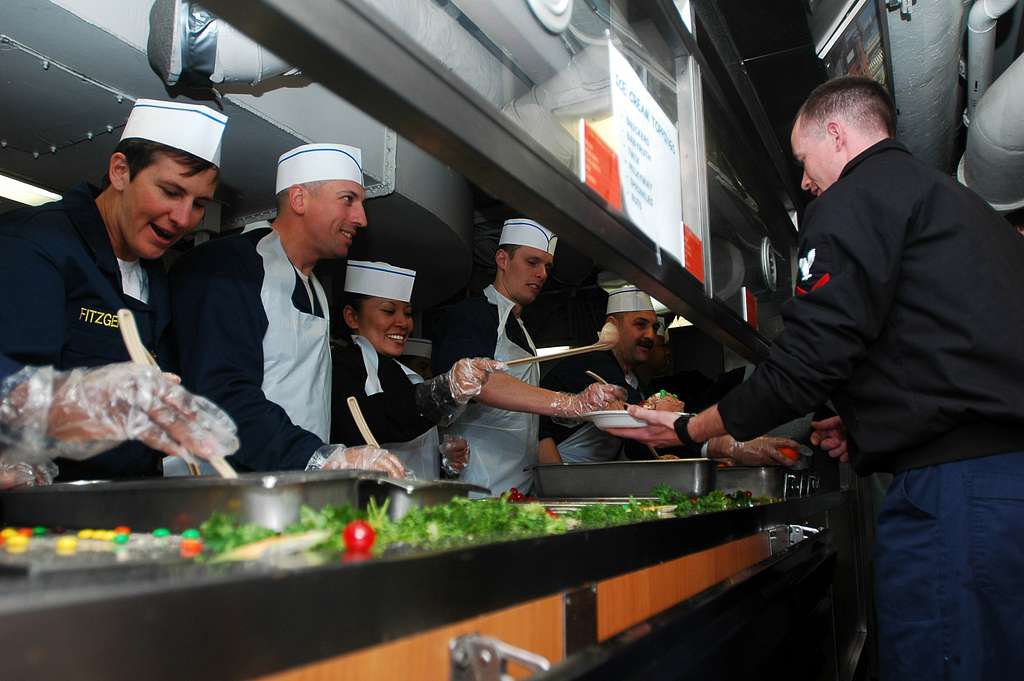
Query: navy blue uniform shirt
(61, 293)
(470, 329)
(8, 367)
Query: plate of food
(613, 418)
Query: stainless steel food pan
(694, 477)
(767, 481)
(270, 500)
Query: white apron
(296, 350)
(419, 455)
(502, 443)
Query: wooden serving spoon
(606, 339)
(364, 428)
(140, 355)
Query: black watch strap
(681, 431)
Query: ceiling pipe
(993, 165)
(981, 48)
(925, 57)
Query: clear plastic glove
(596, 397)
(77, 414)
(454, 455)
(365, 458)
(762, 451)
(22, 474)
(443, 398)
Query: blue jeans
(949, 572)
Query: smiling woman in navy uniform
(67, 267)
(401, 408)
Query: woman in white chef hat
(401, 408)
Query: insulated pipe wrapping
(993, 165)
(981, 46)
(925, 58)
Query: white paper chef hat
(379, 279)
(193, 128)
(629, 299)
(523, 232)
(418, 347)
(316, 162)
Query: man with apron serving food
(251, 319)
(504, 442)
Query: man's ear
(837, 134)
(501, 259)
(118, 172)
(297, 199)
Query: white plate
(613, 418)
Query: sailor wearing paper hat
(251, 317)
(67, 267)
(505, 442)
(632, 312)
(400, 407)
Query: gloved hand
(762, 451)
(454, 454)
(22, 474)
(596, 397)
(79, 413)
(467, 377)
(443, 398)
(365, 457)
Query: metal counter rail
(203, 625)
(378, 69)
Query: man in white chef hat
(67, 267)
(504, 442)
(251, 318)
(632, 312)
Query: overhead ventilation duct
(993, 165)
(925, 61)
(981, 48)
(190, 45)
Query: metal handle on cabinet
(482, 658)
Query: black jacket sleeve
(850, 264)
(219, 324)
(392, 414)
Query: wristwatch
(681, 431)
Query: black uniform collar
(80, 204)
(874, 149)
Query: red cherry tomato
(515, 496)
(551, 513)
(789, 453)
(358, 536)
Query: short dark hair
(141, 154)
(862, 101)
(510, 249)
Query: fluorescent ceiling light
(23, 192)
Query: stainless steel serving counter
(241, 621)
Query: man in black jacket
(906, 316)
